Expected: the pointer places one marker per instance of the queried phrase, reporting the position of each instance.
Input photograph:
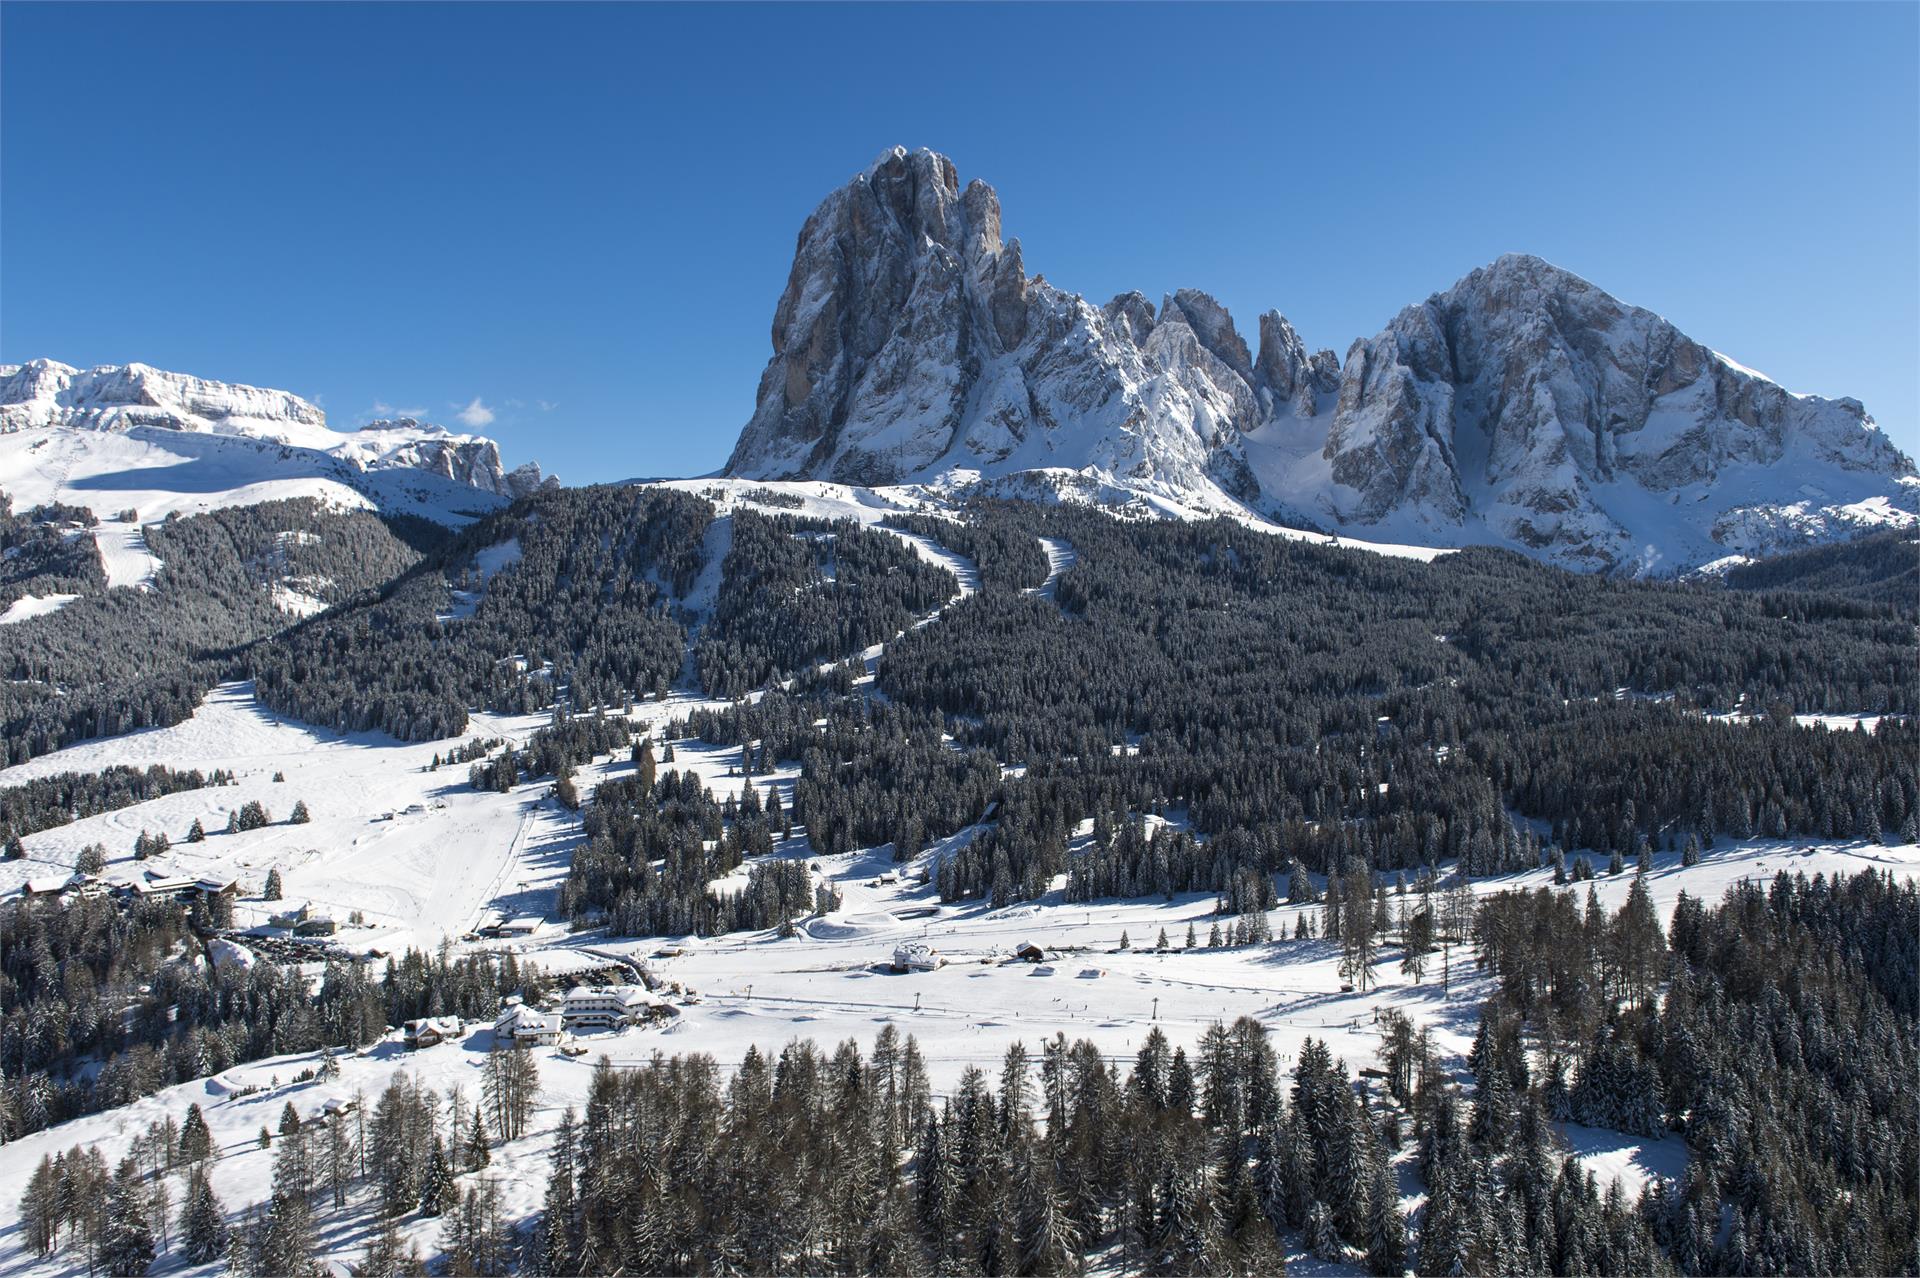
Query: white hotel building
(606, 1006)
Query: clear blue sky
(581, 217)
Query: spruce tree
(556, 1248)
(478, 1154)
(286, 1240)
(1386, 1227)
(203, 1224)
(127, 1241)
(196, 1142)
(436, 1182)
(1323, 1239)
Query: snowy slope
(1523, 407)
(434, 872)
(825, 500)
(27, 607)
(427, 874)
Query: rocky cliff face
(911, 344)
(129, 397)
(1522, 407)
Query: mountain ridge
(1523, 406)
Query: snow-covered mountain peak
(119, 396)
(1527, 406)
(910, 344)
(1524, 406)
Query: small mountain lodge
(527, 1026)
(291, 917)
(429, 1030)
(519, 926)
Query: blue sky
(572, 224)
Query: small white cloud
(476, 414)
(383, 411)
(547, 406)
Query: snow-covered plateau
(130, 437)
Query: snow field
(158, 472)
(870, 505)
(27, 607)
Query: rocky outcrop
(473, 460)
(127, 397)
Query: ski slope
(27, 607)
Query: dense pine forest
(580, 600)
(796, 592)
(38, 556)
(1293, 701)
(114, 661)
